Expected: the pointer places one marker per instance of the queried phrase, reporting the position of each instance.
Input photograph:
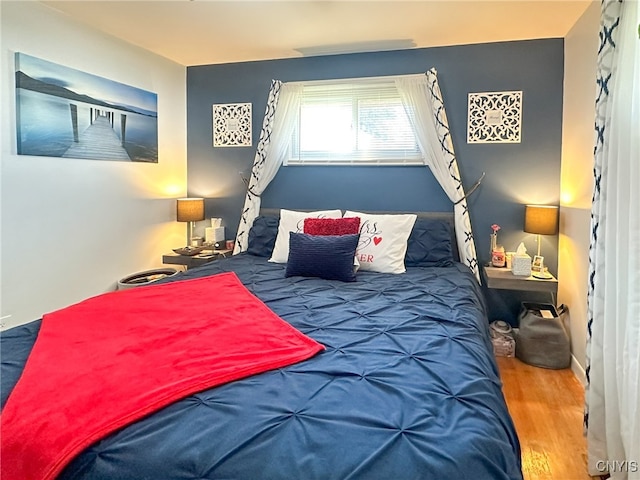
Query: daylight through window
(360, 121)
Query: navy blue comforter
(406, 389)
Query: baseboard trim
(578, 371)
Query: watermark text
(612, 466)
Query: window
(351, 122)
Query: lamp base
(542, 275)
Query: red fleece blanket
(110, 360)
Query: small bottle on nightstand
(498, 257)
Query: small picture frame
(538, 264)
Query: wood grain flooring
(546, 407)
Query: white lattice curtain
(277, 127)
(612, 413)
(423, 100)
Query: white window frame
(351, 91)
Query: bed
(405, 388)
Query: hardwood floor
(546, 407)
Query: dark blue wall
(527, 172)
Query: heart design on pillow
(383, 241)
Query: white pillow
(383, 241)
(292, 221)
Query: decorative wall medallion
(232, 125)
(494, 117)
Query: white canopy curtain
(612, 413)
(423, 101)
(277, 128)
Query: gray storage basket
(544, 342)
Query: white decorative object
(521, 262)
(218, 234)
(293, 221)
(383, 241)
(214, 234)
(521, 265)
(232, 125)
(494, 117)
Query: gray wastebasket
(145, 278)
(544, 341)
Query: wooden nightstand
(503, 278)
(190, 261)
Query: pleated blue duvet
(406, 389)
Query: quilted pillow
(383, 241)
(262, 236)
(429, 244)
(331, 226)
(324, 256)
(293, 221)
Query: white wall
(581, 46)
(71, 228)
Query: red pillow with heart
(332, 226)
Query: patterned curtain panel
(421, 96)
(277, 128)
(612, 413)
(423, 100)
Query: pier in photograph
(98, 142)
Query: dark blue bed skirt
(407, 389)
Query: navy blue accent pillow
(429, 244)
(262, 236)
(324, 256)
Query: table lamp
(190, 210)
(541, 220)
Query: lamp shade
(190, 209)
(541, 219)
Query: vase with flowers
(497, 251)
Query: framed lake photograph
(63, 112)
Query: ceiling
(199, 32)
